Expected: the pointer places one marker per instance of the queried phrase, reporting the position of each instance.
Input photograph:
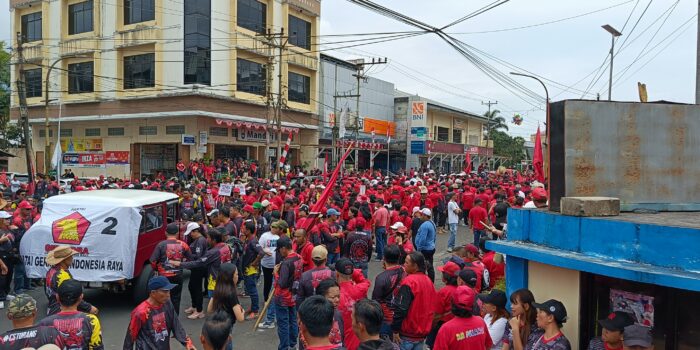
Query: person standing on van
(171, 249)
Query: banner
(639, 305)
(84, 160)
(104, 237)
(74, 145)
(117, 157)
(225, 189)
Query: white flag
(56, 155)
(341, 123)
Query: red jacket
(414, 307)
(350, 292)
(305, 252)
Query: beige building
(143, 83)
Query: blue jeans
(362, 266)
(20, 277)
(453, 236)
(287, 327)
(477, 236)
(271, 310)
(251, 288)
(411, 344)
(380, 237)
(332, 258)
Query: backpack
(236, 246)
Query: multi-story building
(437, 136)
(139, 84)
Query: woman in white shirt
(496, 316)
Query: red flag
(313, 214)
(537, 159)
(468, 168)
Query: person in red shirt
(413, 311)
(465, 331)
(315, 323)
(287, 275)
(353, 287)
(303, 247)
(496, 268)
(477, 219)
(443, 302)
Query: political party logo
(70, 229)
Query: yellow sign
(71, 145)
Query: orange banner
(379, 126)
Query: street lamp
(615, 33)
(47, 147)
(546, 92)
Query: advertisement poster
(75, 145)
(84, 160)
(639, 305)
(104, 237)
(117, 157)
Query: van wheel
(140, 291)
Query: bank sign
(419, 114)
(250, 135)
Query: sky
(658, 45)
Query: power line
(476, 13)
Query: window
(456, 135)
(443, 134)
(92, 132)
(136, 11)
(115, 131)
(32, 82)
(148, 130)
(218, 131)
(250, 77)
(197, 42)
(139, 71)
(31, 27)
(299, 32)
(174, 129)
(80, 77)
(252, 14)
(299, 88)
(151, 219)
(42, 133)
(66, 132)
(80, 17)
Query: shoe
(2, 305)
(251, 316)
(449, 250)
(190, 310)
(195, 315)
(266, 325)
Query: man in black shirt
(367, 320)
(386, 286)
(21, 312)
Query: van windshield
(151, 218)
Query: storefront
(637, 263)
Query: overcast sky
(565, 52)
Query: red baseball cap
(450, 269)
(463, 297)
(539, 194)
(25, 205)
(236, 190)
(248, 208)
(472, 249)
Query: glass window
(151, 218)
(197, 42)
(66, 132)
(172, 211)
(250, 77)
(42, 133)
(80, 77)
(443, 134)
(456, 136)
(136, 11)
(299, 88)
(92, 132)
(32, 82)
(174, 129)
(31, 27)
(148, 130)
(115, 131)
(139, 71)
(80, 17)
(252, 14)
(218, 131)
(299, 32)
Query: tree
(10, 134)
(506, 146)
(498, 123)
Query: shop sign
(188, 140)
(417, 147)
(117, 157)
(251, 135)
(84, 160)
(419, 133)
(73, 145)
(203, 138)
(419, 114)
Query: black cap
(617, 321)
(172, 229)
(70, 290)
(457, 260)
(496, 297)
(284, 242)
(554, 308)
(344, 266)
(468, 276)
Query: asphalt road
(115, 309)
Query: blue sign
(417, 147)
(188, 140)
(419, 132)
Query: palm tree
(498, 123)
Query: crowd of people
(312, 247)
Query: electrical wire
(476, 13)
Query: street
(115, 309)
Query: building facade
(338, 97)
(140, 84)
(437, 136)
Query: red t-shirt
(463, 334)
(443, 303)
(476, 216)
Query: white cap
(321, 186)
(130, 186)
(273, 190)
(415, 210)
(426, 212)
(105, 183)
(145, 183)
(283, 188)
(265, 203)
(313, 187)
(5, 215)
(301, 174)
(396, 225)
(191, 227)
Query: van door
(151, 232)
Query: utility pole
(488, 130)
(280, 100)
(334, 130)
(23, 113)
(337, 117)
(275, 41)
(269, 104)
(360, 66)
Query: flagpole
(58, 140)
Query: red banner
(117, 157)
